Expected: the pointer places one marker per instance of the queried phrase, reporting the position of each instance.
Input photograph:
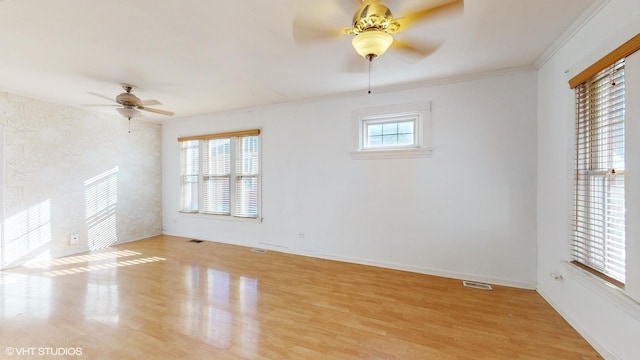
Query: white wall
(66, 169)
(605, 317)
(466, 212)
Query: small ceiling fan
(129, 104)
(373, 25)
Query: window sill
(609, 291)
(391, 154)
(220, 217)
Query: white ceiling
(199, 56)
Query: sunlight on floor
(80, 258)
(81, 269)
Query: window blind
(220, 173)
(247, 170)
(216, 176)
(189, 170)
(599, 217)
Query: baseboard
(582, 330)
(388, 265)
(426, 271)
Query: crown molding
(582, 19)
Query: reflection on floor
(167, 298)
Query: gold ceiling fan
(373, 27)
(129, 104)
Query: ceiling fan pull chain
(129, 125)
(370, 75)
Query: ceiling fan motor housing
(374, 16)
(127, 99)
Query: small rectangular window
(390, 132)
(394, 131)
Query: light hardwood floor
(167, 298)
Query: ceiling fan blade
(103, 97)
(150, 102)
(416, 51)
(101, 105)
(306, 30)
(157, 111)
(349, 7)
(448, 8)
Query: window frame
(596, 173)
(418, 112)
(233, 176)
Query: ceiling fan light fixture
(128, 112)
(372, 43)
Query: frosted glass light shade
(128, 112)
(372, 42)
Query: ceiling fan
(129, 104)
(373, 25)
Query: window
(389, 131)
(599, 211)
(393, 131)
(220, 174)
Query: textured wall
(69, 170)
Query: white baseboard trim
(582, 330)
(426, 271)
(388, 265)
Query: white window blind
(216, 176)
(189, 172)
(247, 170)
(220, 174)
(599, 216)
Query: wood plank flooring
(167, 298)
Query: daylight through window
(599, 211)
(220, 174)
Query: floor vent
(477, 285)
(196, 241)
(259, 251)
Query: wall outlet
(556, 276)
(300, 235)
(74, 238)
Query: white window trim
(422, 147)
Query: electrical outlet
(74, 238)
(556, 276)
(300, 235)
